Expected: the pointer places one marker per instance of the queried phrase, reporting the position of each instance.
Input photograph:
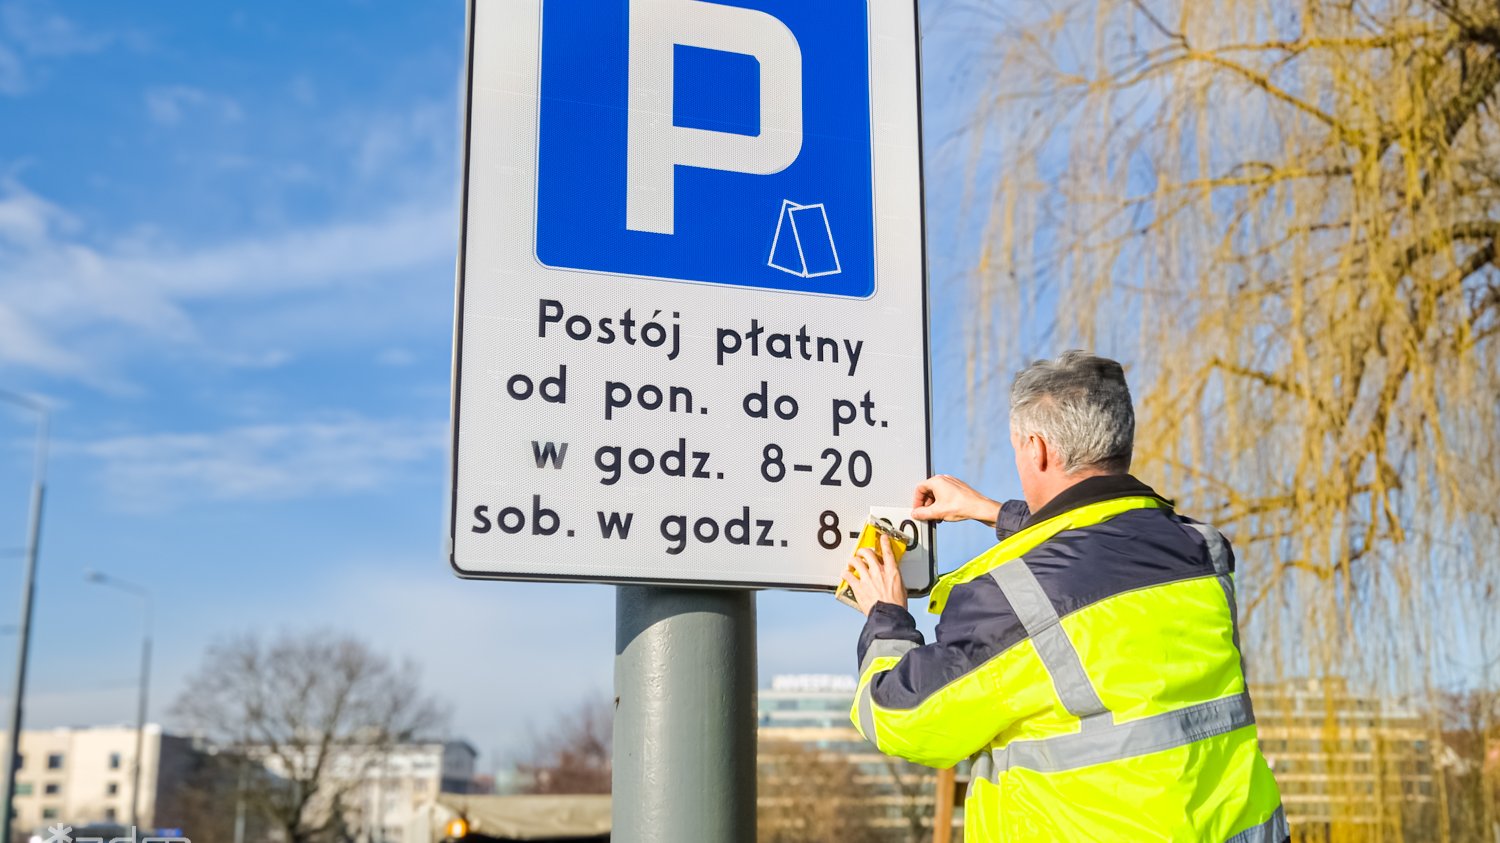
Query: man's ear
(1042, 456)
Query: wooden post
(942, 814)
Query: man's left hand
(878, 578)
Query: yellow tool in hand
(870, 537)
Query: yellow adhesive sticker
(869, 537)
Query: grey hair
(1079, 404)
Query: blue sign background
(725, 221)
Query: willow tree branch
(1477, 89)
(1434, 242)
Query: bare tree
(210, 800)
(319, 711)
(1285, 218)
(913, 789)
(574, 755)
(1472, 742)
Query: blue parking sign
(723, 142)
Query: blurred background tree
(212, 800)
(574, 755)
(1284, 218)
(302, 721)
(806, 796)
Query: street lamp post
(145, 684)
(28, 593)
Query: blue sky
(227, 238)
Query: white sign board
(691, 334)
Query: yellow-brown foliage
(1284, 217)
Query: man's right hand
(945, 498)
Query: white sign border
(457, 365)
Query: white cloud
(27, 220)
(260, 462)
(20, 344)
(43, 32)
(61, 289)
(12, 73)
(395, 357)
(30, 30)
(386, 143)
(272, 359)
(169, 105)
(303, 91)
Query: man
(1089, 663)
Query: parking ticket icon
(803, 244)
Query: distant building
(1342, 758)
(80, 776)
(493, 818)
(381, 788)
(510, 782)
(1339, 758)
(810, 713)
(409, 776)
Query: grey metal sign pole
(684, 734)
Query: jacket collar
(1013, 547)
(1015, 516)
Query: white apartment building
(407, 778)
(80, 776)
(381, 789)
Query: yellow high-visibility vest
(1089, 665)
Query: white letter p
(655, 147)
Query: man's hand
(945, 498)
(878, 578)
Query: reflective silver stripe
(1273, 830)
(1226, 582)
(882, 647)
(867, 716)
(1058, 655)
(879, 648)
(1116, 741)
(983, 767)
(1218, 556)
